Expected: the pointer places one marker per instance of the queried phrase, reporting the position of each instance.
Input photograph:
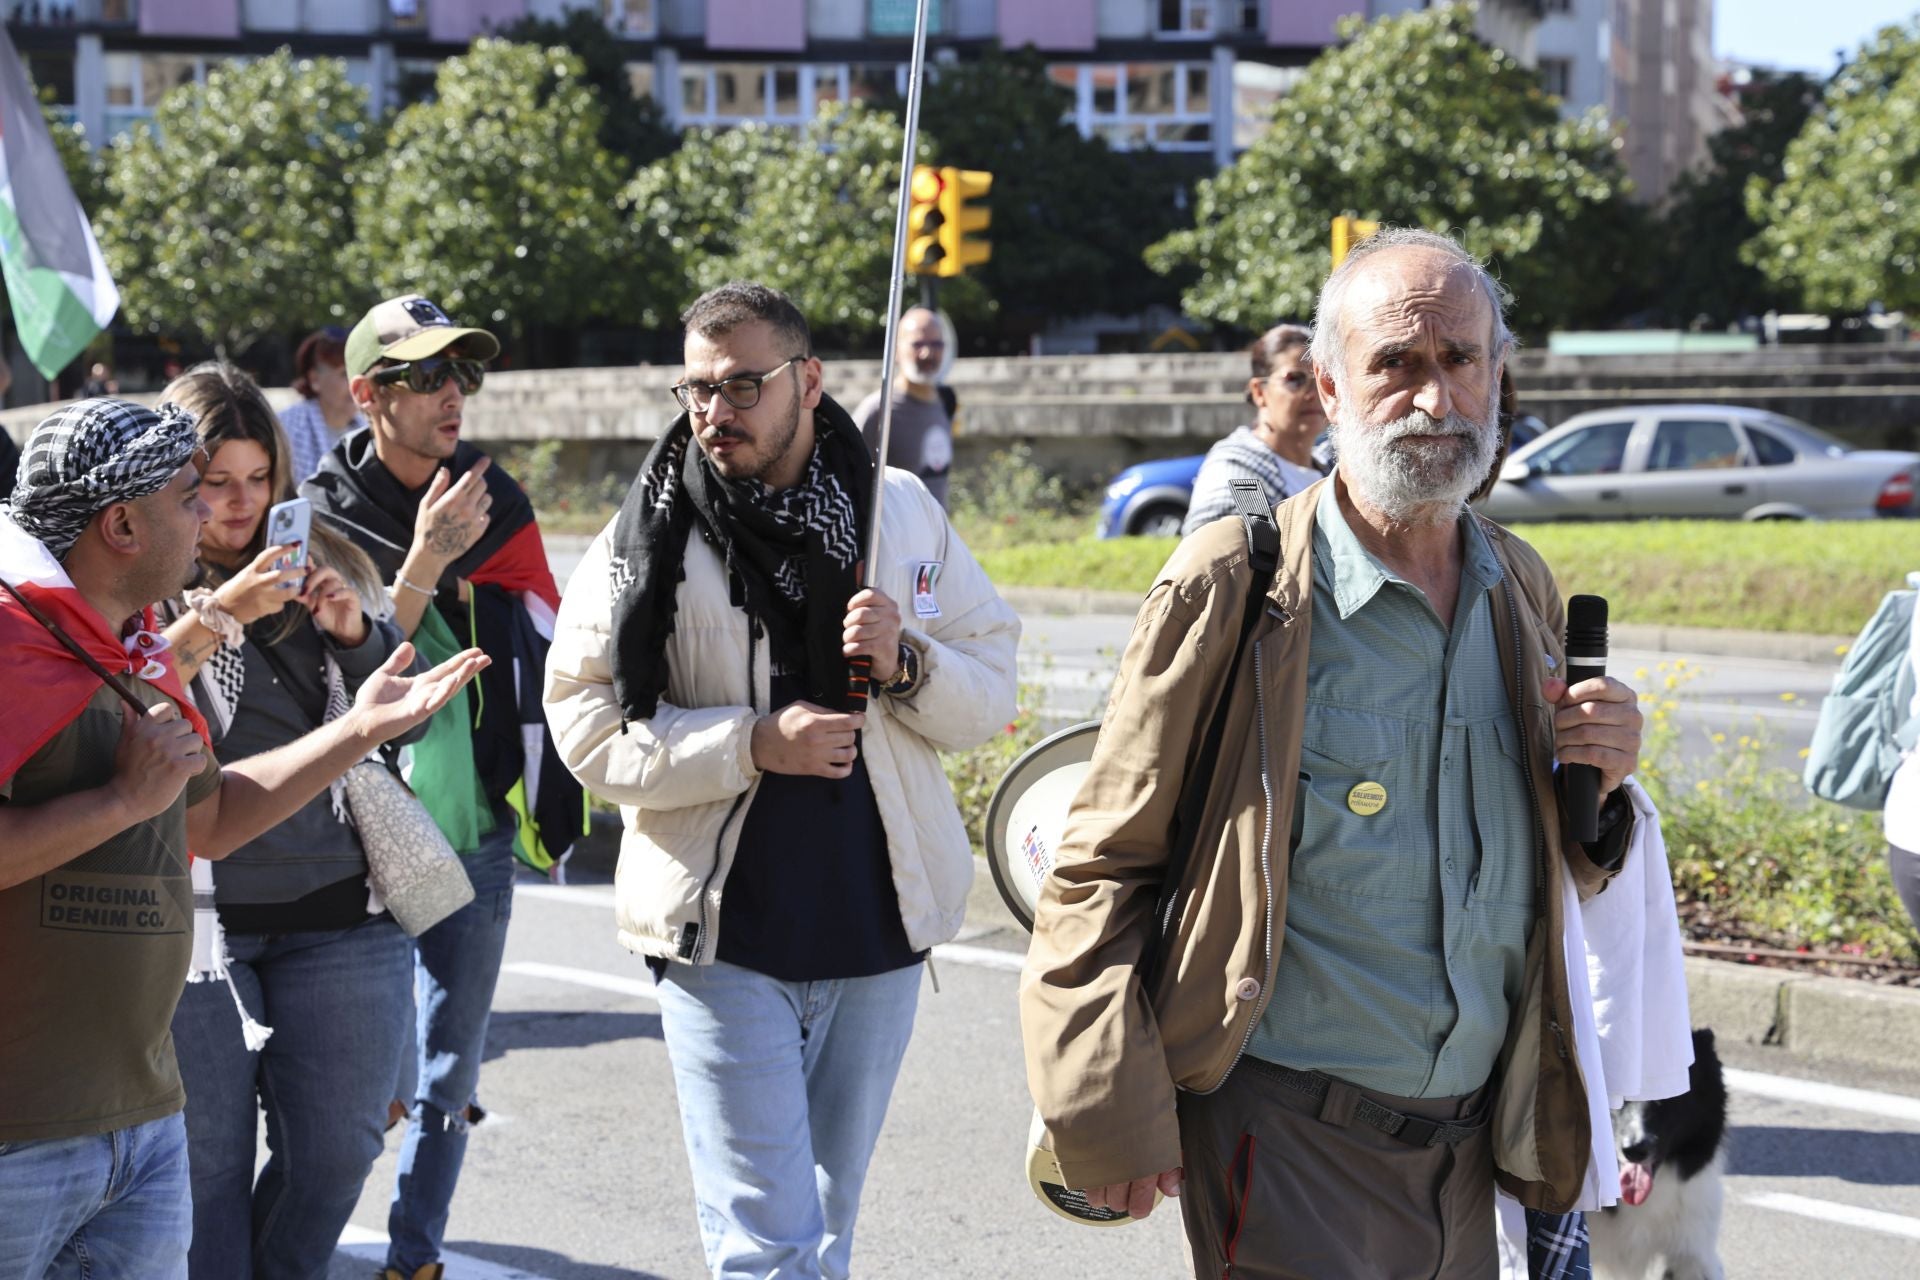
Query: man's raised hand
(389, 703)
(159, 753)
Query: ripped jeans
(457, 964)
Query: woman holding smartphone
(271, 653)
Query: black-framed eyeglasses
(742, 390)
(424, 377)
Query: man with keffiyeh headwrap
(792, 850)
(98, 807)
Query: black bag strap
(1263, 553)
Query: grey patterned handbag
(412, 866)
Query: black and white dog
(1667, 1224)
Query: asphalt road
(581, 1173)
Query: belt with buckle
(1415, 1131)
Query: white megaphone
(1024, 820)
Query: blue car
(1150, 499)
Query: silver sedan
(1699, 461)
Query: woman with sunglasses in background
(326, 412)
(273, 653)
(1276, 448)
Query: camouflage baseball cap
(410, 328)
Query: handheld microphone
(1586, 660)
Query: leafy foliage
(632, 127)
(1071, 217)
(1707, 223)
(496, 198)
(230, 211)
(85, 170)
(1413, 122)
(1840, 226)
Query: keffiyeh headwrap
(92, 454)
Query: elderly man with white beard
(1354, 1016)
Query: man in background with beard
(921, 438)
(1358, 1016)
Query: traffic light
(923, 221)
(959, 189)
(1348, 232)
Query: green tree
(632, 127)
(1840, 227)
(1706, 224)
(821, 227)
(1413, 121)
(230, 211)
(683, 214)
(496, 198)
(1071, 217)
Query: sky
(1796, 35)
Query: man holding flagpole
(58, 283)
(99, 805)
(792, 847)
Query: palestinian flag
(61, 292)
(47, 687)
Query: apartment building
(1194, 76)
(1649, 65)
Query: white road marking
(578, 895)
(640, 989)
(983, 957)
(1892, 1106)
(371, 1246)
(1846, 1215)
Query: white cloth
(1601, 1185)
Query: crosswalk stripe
(635, 987)
(1848, 1215)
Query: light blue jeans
(114, 1206)
(783, 1087)
(339, 1002)
(457, 965)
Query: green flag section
(58, 283)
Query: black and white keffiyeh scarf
(792, 556)
(92, 454)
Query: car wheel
(1158, 520)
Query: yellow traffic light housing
(960, 218)
(923, 221)
(1348, 232)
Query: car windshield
(1806, 440)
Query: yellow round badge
(1367, 798)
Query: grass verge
(1824, 578)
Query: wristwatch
(906, 680)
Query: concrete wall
(1087, 416)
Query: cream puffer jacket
(684, 779)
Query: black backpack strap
(1263, 553)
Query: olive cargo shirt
(93, 954)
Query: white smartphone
(290, 523)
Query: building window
(1257, 88)
(53, 72)
(723, 94)
(1161, 106)
(1551, 7)
(407, 15)
(631, 18)
(1556, 75)
(1188, 19)
(895, 17)
(137, 81)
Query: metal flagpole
(861, 665)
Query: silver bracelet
(206, 607)
(400, 580)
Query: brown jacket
(1105, 1056)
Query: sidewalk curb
(1778, 646)
(1837, 1020)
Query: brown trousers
(1279, 1187)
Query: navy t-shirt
(810, 894)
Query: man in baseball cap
(411, 327)
(457, 539)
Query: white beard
(1427, 483)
